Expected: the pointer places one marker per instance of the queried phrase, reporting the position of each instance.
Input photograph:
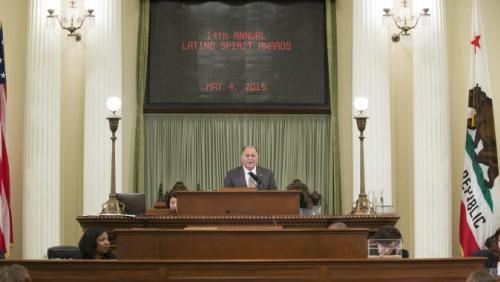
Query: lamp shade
(360, 104)
(114, 103)
(90, 4)
(389, 4)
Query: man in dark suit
(262, 179)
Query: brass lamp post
(112, 206)
(363, 205)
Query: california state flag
(477, 217)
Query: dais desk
(241, 243)
(110, 223)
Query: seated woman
(386, 247)
(95, 244)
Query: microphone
(255, 177)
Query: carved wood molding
(373, 222)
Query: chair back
(135, 203)
(62, 252)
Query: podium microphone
(255, 177)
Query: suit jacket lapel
(241, 178)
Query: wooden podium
(238, 203)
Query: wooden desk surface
(376, 270)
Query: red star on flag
(475, 43)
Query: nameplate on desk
(201, 228)
(165, 212)
(236, 228)
(116, 215)
(237, 189)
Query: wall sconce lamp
(113, 206)
(363, 205)
(72, 22)
(405, 21)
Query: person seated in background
(172, 202)
(14, 273)
(95, 244)
(491, 251)
(249, 174)
(480, 276)
(389, 233)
